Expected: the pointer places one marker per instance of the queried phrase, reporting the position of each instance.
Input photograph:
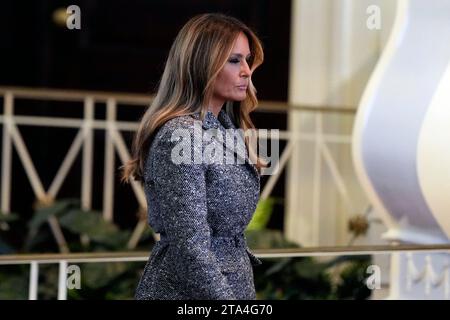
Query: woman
(200, 209)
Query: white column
(332, 56)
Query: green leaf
(98, 275)
(353, 281)
(42, 214)
(93, 225)
(309, 268)
(123, 290)
(8, 217)
(278, 266)
(35, 238)
(262, 214)
(13, 287)
(5, 248)
(267, 239)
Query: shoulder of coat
(184, 122)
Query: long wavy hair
(198, 53)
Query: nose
(245, 69)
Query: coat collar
(222, 121)
(212, 122)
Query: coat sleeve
(181, 189)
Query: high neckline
(213, 114)
(211, 121)
(222, 122)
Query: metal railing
(429, 275)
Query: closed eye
(234, 61)
(238, 58)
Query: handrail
(144, 99)
(260, 253)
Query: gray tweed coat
(201, 212)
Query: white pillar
(332, 56)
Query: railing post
(317, 179)
(7, 151)
(108, 180)
(34, 281)
(62, 280)
(86, 186)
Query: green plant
(82, 231)
(87, 231)
(304, 277)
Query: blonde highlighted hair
(198, 53)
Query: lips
(242, 87)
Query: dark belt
(237, 240)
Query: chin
(240, 98)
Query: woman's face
(233, 80)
